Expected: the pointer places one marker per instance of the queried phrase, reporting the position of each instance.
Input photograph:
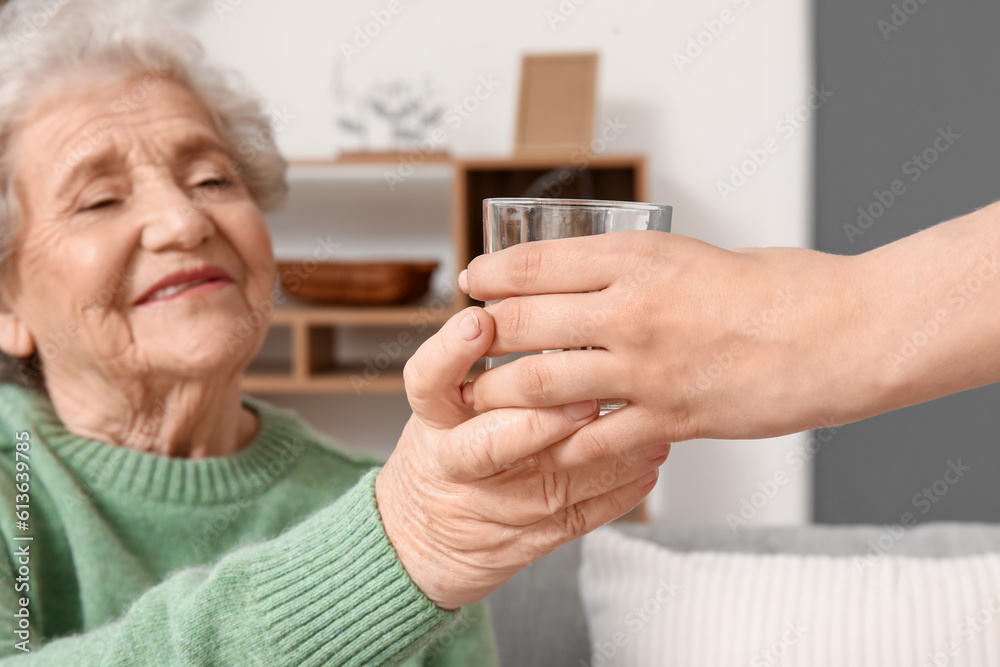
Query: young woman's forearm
(932, 310)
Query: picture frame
(557, 102)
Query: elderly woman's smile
(141, 249)
(187, 283)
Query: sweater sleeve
(329, 591)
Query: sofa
(538, 616)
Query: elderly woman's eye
(99, 204)
(217, 182)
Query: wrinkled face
(142, 254)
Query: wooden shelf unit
(312, 366)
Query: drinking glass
(509, 221)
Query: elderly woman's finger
(579, 519)
(495, 441)
(435, 373)
(580, 264)
(543, 380)
(532, 495)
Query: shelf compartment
(308, 335)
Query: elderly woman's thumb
(434, 375)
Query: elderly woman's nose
(172, 219)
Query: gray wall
(892, 94)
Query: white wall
(695, 123)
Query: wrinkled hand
(702, 342)
(466, 499)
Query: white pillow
(647, 605)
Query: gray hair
(45, 44)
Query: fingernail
(463, 281)
(655, 452)
(468, 328)
(467, 394)
(648, 478)
(581, 410)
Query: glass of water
(509, 221)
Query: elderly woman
(150, 513)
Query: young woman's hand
(701, 341)
(748, 343)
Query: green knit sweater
(272, 556)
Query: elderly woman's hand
(465, 498)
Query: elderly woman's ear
(15, 339)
